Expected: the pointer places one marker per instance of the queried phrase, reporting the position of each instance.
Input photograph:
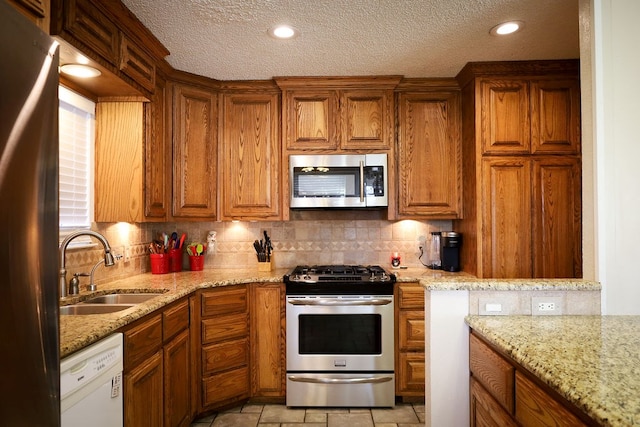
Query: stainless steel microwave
(338, 180)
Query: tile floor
(268, 415)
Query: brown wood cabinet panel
(311, 120)
(225, 327)
(143, 393)
(268, 353)
(555, 116)
(505, 116)
(410, 295)
(87, 24)
(507, 248)
(195, 152)
(224, 356)
(137, 64)
(224, 301)
(485, 411)
(157, 155)
(411, 330)
(175, 319)
(368, 120)
(142, 340)
(177, 381)
(429, 155)
(534, 407)
(119, 162)
(410, 378)
(224, 386)
(492, 371)
(250, 157)
(36, 10)
(557, 217)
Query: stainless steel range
(340, 325)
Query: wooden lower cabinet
(410, 341)
(157, 369)
(502, 393)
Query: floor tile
(252, 408)
(315, 417)
(398, 414)
(300, 425)
(236, 419)
(349, 420)
(281, 414)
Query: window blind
(76, 140)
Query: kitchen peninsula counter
(592, 361)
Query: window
(76, 135)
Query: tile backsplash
(295, 242)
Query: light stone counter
(593, 361)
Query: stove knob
(307, 277)
(384, 277)
(373, 277)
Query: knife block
(264, 266)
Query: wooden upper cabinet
(194, 150)
(310, 120)
(250, 157)
(157, 155)
(338, 113)
(429, 155)
(36, 10)
(505, 117)
(507, 239)
(555, 116)
(556, 217)
(136, 63)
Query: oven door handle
(339, 302)
(316, 380)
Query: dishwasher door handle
(327, 380)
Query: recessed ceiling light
(80, 70)
(506, 28)
(283, 32)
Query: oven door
(339, 333)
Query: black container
(450, 243)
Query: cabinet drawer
(224, 302)
(534, 407)
(227, 385)
(492, 371)
(174, 320)
(221, 357)
(410, 296)
(411, 374)
(223, 328)
(142, 340)
(411, 330)
(485, 411)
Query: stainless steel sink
(83, 308)
(121, 298)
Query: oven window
(326, 182)
(340, 334)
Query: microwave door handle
(361, 181)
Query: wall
(617, 150)
(302, 241)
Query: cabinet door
(410, 379)
(267, 339)
(311, 119)
(36, 10)
(143, 403)
(555, 116)
(250, 151)
(506, 218)
(429, 159)
(366, 119)
(194, 149)
(485, 411)
(157, 154)
(505, 125)
(136, 63)
(557, 213)
(177, 386)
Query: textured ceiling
(227, 39)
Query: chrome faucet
(108, 256)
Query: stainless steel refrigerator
(29, 326)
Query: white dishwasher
(91, 385)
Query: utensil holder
(264, 266)
(159, 263)
(196, 262)
(175, 260)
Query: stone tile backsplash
(295, 242)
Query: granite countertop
(593, 361)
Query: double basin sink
(109, 303)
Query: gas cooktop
(337, 279)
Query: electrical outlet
(546, 305)
(421, 245)
(126, 253)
